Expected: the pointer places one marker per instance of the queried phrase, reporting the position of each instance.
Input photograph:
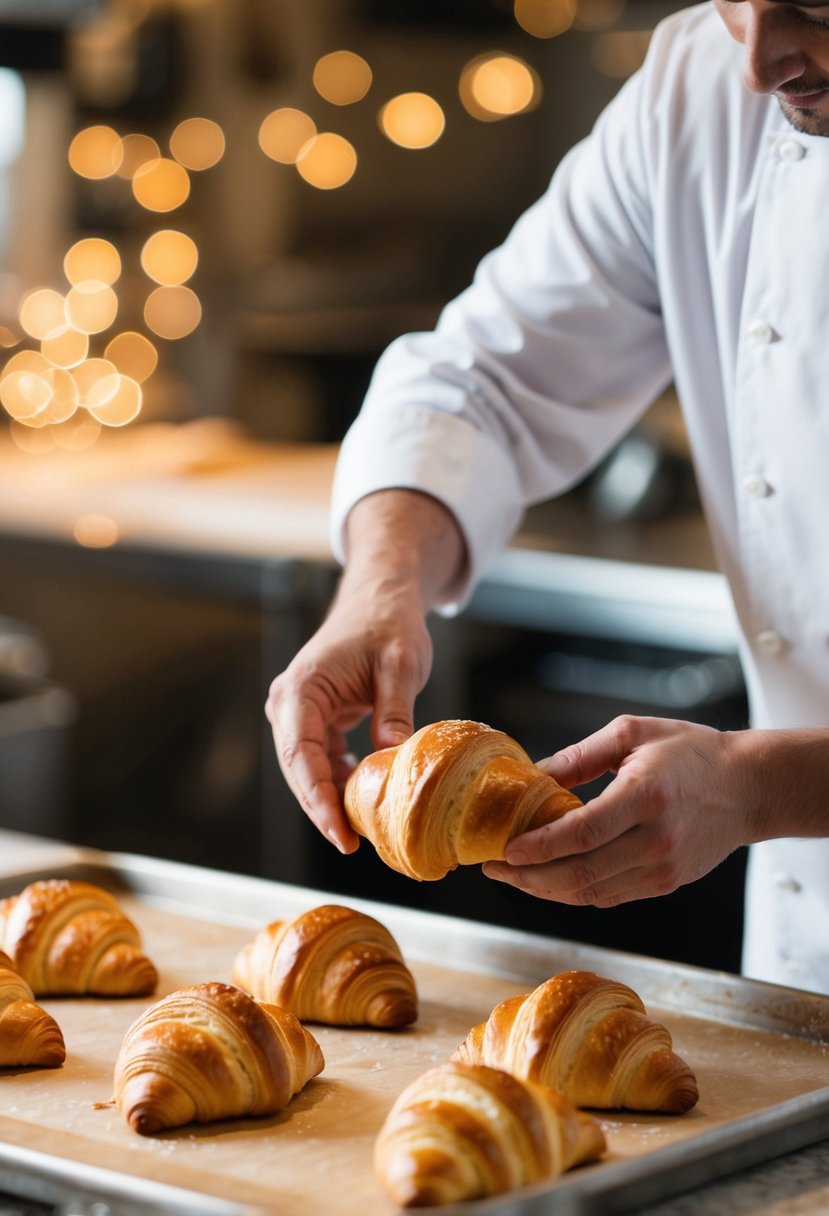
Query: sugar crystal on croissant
(462, 1131)
(453, 794)
(589, 1038)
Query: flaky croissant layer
(589, 1038)
(453, 794)
(67, 937)
(28, 1034)
(330, 964)
(464, 1131)
(211, 1052)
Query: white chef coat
(686, 239)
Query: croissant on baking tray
(462, 1131)
(211, 1052)
(590, 1039)
(28, 1034)
(453, 794)
(67, 937)
(333, 965)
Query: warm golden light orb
(95, 531)
(136, 150)
(342, 77)
(198, 143)
(24, 394)
(161, 185)
(118, 408)
(133, 355)
(41, 312)
(327, 162)
(284, 133)
(495, 86)
(100, 376)
(172, 312)
(169, 257)
(66, 346)
(92, 258)
(91, 306)
(545, 18)
(412, 120)
(96, 152)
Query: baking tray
(761, 1054)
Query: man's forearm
(788, 778)
(404, 538)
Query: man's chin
(808, 122)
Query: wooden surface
(315, 1157)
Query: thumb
(594, 756)
(393, 719)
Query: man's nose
(773, 55)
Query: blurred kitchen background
(214, 215)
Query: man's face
(786, 53)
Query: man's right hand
(371, 656)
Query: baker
(685, 240)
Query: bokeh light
(197, 143)
(133, 355)
(136, 150)
(116, 408)
(92, 258)
(327, 162)
(63, 403)
(95, 531)
(65, 347)
(172, 312)
(284, 133)
(24, 394)
(99, 376)
(412, 120)
(495, 86)
(77, 434)
(598, 14)
(42, 311)
(619, 53)
(342, 77)
(161, 185)
(91, 306)
(34, 442)
(545, 18)
(96, 152)
(169, 257)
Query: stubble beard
(808, 122)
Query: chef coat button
(760, 331)
(770, 642)
(756, 486)
(790, 149)
(786, 882)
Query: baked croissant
(332, 965)
(463, 1131)
(453, 794)
(67, 937)
(590, 1039)
(28, 1034)
(211, 1052)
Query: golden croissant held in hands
(453, 794)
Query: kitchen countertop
(793, 1185)
(206, 488)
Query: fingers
(315, 777)
(600, 753)
(581, 830)
(556, 880)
